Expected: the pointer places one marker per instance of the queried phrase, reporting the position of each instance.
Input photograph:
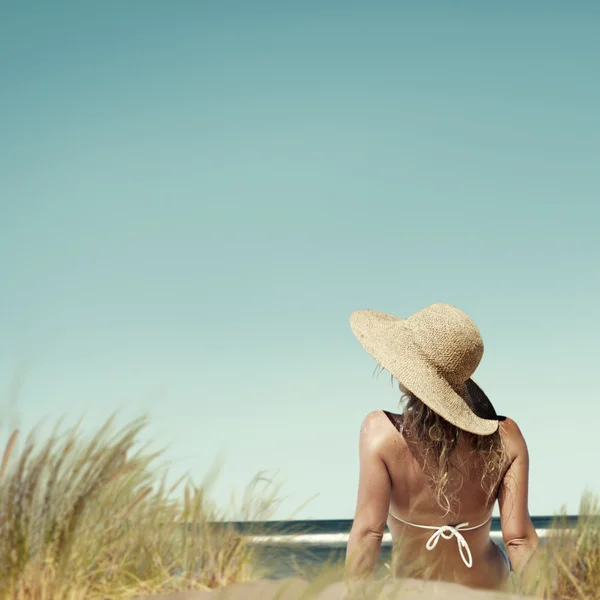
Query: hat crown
(448, 339)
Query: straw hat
(433, 353)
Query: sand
(295, 589)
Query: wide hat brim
(387, 339)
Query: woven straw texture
(434, 354)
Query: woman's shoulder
(380, 428)
(513, 437)
(378, 420)
(509, 428)
(373, 422)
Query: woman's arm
(518, 533)
(373, 502)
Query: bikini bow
(448, 532)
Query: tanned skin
(392, 478)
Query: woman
(434, 473)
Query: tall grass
(91, 519)
(567, 567)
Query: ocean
(291, 548)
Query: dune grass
(567, 567)
(95, 518)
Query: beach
(118, 534)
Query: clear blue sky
(196, 195)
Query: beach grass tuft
(95, 518)
(567, 566)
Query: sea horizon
(303, 546)
(340, 525)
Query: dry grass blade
(10, 445)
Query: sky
(194, 197)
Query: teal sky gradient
(195, 196)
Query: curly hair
(438, 440)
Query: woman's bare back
(412, 499)
(392, 479)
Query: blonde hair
(438, 440)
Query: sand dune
(297, 589)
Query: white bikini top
(448, 532)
